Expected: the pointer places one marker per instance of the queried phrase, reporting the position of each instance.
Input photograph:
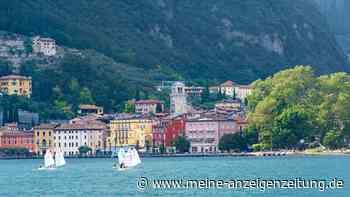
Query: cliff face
(228, 39)
(337, 13)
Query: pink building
(203, 134)
(227, 126)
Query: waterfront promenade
(243, 154)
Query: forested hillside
(229, 39)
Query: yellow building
(130, 131)
(43, 137)
(16, 85)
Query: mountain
(227, 39)
(337, 15)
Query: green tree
(5, 67)
(162, 149)
(129, 107)
(85, 96)
(205, 94)
(83, 150)
(283, 108)
(333, 140)
(182, 144)
(229, 142)
(159, 108)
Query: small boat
(49, 162)
(127, 160)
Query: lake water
(95, 177)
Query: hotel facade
(16, 85)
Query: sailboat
(59, 160)
(49, 162)
(129, 159)
(121, 156)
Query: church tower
(178, 100)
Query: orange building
(12, 139)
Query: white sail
(131, 158)
(127, 160)
(49, 161)
(60, 161)
(121, 156)
(135, 157)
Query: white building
(243, 91)
(46, 46)
(230, 88)
(69, 137)
(178, 99)
(149, 106)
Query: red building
(175, 127)
(11, 139)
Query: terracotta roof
(228, 83)
(46, 126)
(149, 101)
(17, 134)
(245, 86)
(80, 127)
(88, 106)
(14, 77)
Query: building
(130, 130)
(16, 139)
(69, 137)
(158, 133)
(149, 106)
(166, 85)
(175, 128)
(46, 46)
(90, 109)
(203, 134)
(193, 91)
(178, 99)
(243, 91)
(227, 126)
(206, 131)
(232, 89)
(43, 138)
(16, 85)
(228, 105)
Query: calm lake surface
(95, 177)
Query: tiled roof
(228, 83)
(245, 86)
(46, 126)
(88, 106)
(149, 101)
(80, 127)
(14, 77)
(17, 134)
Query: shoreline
(250, 154)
